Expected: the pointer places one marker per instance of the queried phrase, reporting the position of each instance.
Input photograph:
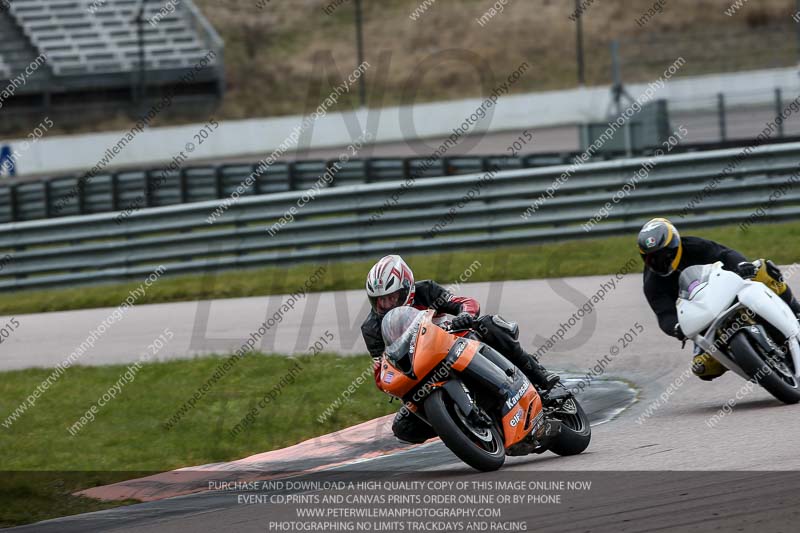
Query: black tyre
(480, 448)
(576, 433)
(777, 379)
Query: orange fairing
(429, 367)
(394, 381)
(465, 357)
(517, 422)
(431, 348)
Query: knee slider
(511, 327)
(407, 429)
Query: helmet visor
(385, 303)
(660, 261)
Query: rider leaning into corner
(666, 254)
(390, 283)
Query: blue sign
(7, 166)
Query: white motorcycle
(743, 325)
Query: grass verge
(42, 463)
(778, 242)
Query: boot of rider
(504, 337)
(534, 371)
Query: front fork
(755, 332)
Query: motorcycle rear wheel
(750, 359)
(481, 448)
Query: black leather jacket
(661, 292)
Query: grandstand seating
(94, 44)
(16, 53)
(77, 41)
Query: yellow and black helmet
(660, 246)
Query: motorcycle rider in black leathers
(390, 283)
(665, 254)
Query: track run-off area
(664, 454)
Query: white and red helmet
(389, 275)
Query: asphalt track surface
(662, 464)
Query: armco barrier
(344, 222)
(25, 199)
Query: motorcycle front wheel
(481, 448)
(777, 379)
(576, 433)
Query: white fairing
(706, 294)
(768, 305)
(709, 299)
(765, 303)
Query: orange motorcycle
(481, 406)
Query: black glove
(678, 332)
(462, 321)
(747, 270)
(774, 272)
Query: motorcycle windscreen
(704, 292)
(399, 330)
(692, 280)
